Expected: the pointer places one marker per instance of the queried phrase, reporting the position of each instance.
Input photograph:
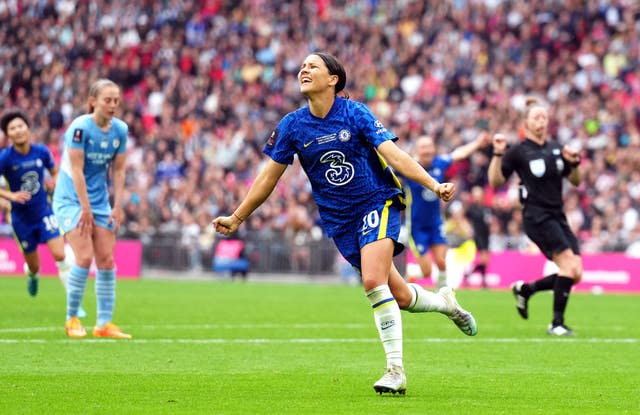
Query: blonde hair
(530, 103)
(97, 86)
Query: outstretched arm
(260, 190)
(464, 151)
(409, 168)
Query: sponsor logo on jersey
(326, 138)
(380, 128)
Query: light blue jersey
(100, 148)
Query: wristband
(498, 154)
(238, 217)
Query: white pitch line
(241, 326)
(247, 326)
(329, 340)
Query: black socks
(543, 284)
(561, 290)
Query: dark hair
(9, 116)
(335, 67)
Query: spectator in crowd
(207, 81)
(480, 217)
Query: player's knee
(105, 263)
(577, 269)
(58, 256)
(574, 268)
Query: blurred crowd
(205, 82)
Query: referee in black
(541, 165)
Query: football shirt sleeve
(279, 145)
(371, 127)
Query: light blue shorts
(68, 215)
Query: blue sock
(76, 283)
(105, 295)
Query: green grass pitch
(220, 347)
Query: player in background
(424, 222)
(23, 165)
(541, 165)
(344, 151)
(93, 143)
(480, 217)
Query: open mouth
(305, 80)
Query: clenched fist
(445, 191)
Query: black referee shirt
(541, 169)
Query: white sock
(442, 279)
(386, 314)
(28, 272)
(423, 301)
(63, 272)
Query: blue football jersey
(100, 148)
(25, 172)
(338, 153)
(423, 204)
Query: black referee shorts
(549, 230)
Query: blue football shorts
(31, 232)
(382, 222)
(421, 239)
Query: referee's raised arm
(496, 178)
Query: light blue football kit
(33, 222)
(358, 196)
(100, 148)
(424, 222)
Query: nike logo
(386, 324)
(366, 232)
(308, 144)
